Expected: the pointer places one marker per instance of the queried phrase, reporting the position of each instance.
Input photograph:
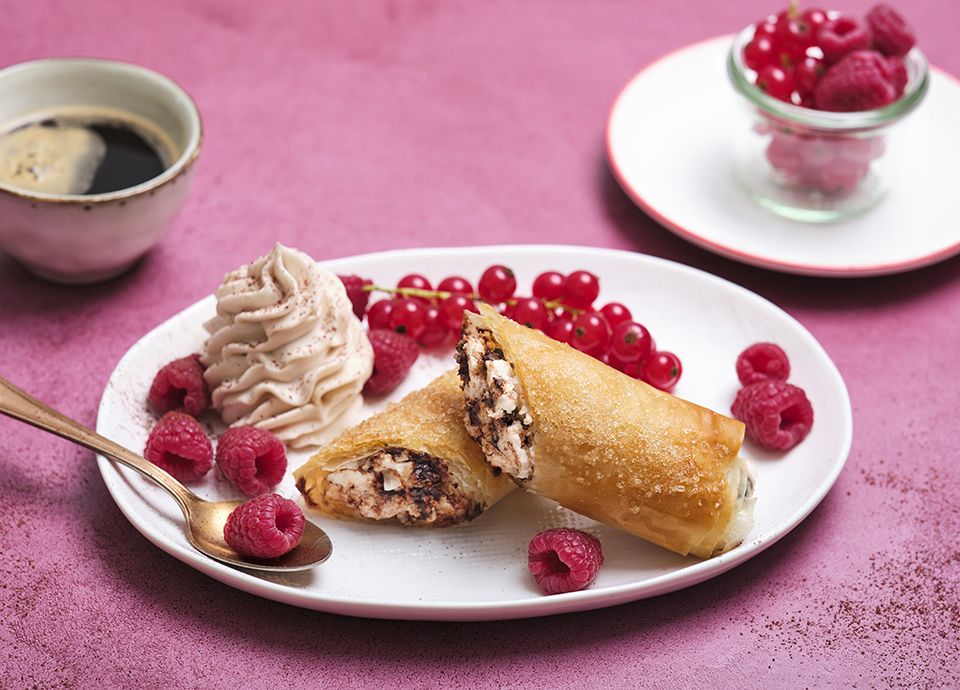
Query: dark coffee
(73, 155)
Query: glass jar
(814, 165)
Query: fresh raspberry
(393, 355)
(897, 74)
(777, 414)
(358, 296)
(180, 386)
(783, 152)
(841, 178)
(267, 526)
(762, 361)
(843, 35)
(860, 81)
(891, 33)
(253, 459)
(564, 560)
(178, 445)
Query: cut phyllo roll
(568, 427)
(413, 462)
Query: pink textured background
(343, 128)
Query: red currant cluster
(562, 306)
(831, 61)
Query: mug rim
(181, 165)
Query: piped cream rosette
(286, 353)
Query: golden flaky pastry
(610, 447)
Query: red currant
(793, 36)
(436, 331)
(663, 370)
(455, 284)
(378, 315)
(548, 286)
(807, 74)
(415, 280)
(452, 308)
(629, 368)
(580, 289)
(408, 317)
(815, 18)
(599, 353)
(560, 329)
(759, 53)
(765, 27)
(590, 332)
(631, 342)
(497, 284)
(615, 314)
(530, 312)
(777, 82)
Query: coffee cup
(73, 237)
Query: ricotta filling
(496, 415)
(396, 483)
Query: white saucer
(668, 141)
(479, 571)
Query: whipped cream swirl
(286, 352)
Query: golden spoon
(205, 519)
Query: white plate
(668, 146)
(478, 571)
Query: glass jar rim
(917, 85)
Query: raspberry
(859, 81)
(843, 35)
(179, 385)
(564, 560)
(393, 355)
(840, 179)
(178, 445)
(897, 74)
(762, 361)
(267, 526)
(891, 33)
(253, 459)
(777, 414)
(358, 296)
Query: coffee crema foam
(82, 152)
(52, 160)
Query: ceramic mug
(84, 238)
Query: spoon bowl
(204, 519)
(204, 529)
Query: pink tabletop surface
(343, 128)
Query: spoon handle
(19, 405)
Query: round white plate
(478, 571)
(668, 143)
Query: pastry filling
(496, 416)
(742, 521)
(414, 488)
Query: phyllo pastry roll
(566, 426)
(413, 462)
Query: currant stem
(793, 11)
(443, 294)
(414, 292)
